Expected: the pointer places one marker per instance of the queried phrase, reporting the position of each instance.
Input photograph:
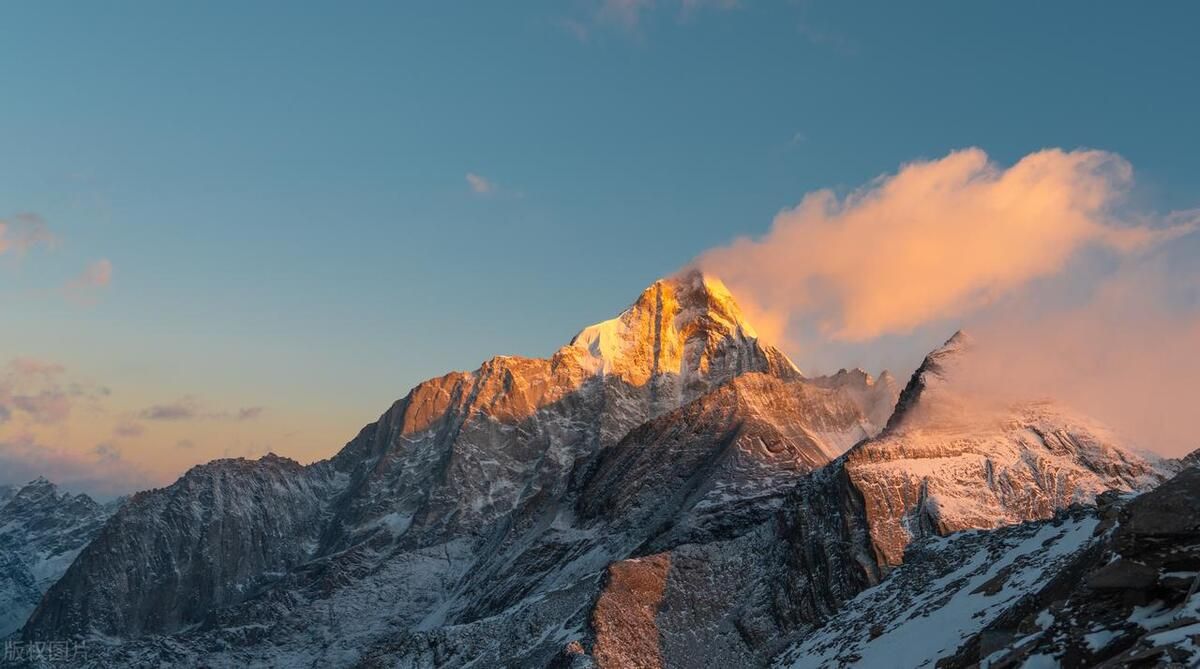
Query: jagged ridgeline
(666, 490)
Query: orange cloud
(937, 240)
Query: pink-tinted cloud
(23, 232)
(937, 240)
(32, 390)
(86, 287)
(30, 367)
(1126, 356)
(102, 472)
(47, 406)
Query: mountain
(744, 599)
(1111, 585)
(460, 503)
(664, 490)
(949, 462)
(41, 532)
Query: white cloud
(479, 185)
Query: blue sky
(281, 189)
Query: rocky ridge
(665, 463)
(41, 532)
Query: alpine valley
(666, 490)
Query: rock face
(946, 593)
(665, 490)
(626, 613)
(1111, 586)
(742, 598)
(946, 464)
(463, 507)
(1136, 599)
(222, 530)
(41, 532)
(876, 397)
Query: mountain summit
(688, 327)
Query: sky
(233, 228)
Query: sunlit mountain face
(665, 489)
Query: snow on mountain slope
(947, 462)
(690, 327)
(469, 448)
(936, 470)
(1135, 601)
(1110, 586)
(41, 532)
(876, 398)
(456, 507)
(665, 460)
(748, 441)
(948, 590)
(168, 556)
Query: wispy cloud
(191, 408)
(577, 29)
(1128, 356)
(55, 425)
(47, 406)
(86, 287)
(22, 232)
(34, 391)
(30, 367)
(629, 17)
(480, 185)
(128, 428)
(249, 413)
(107, 452)
(186, 408)
(625, 13)
(102, 471)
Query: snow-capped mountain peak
(685, 325)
